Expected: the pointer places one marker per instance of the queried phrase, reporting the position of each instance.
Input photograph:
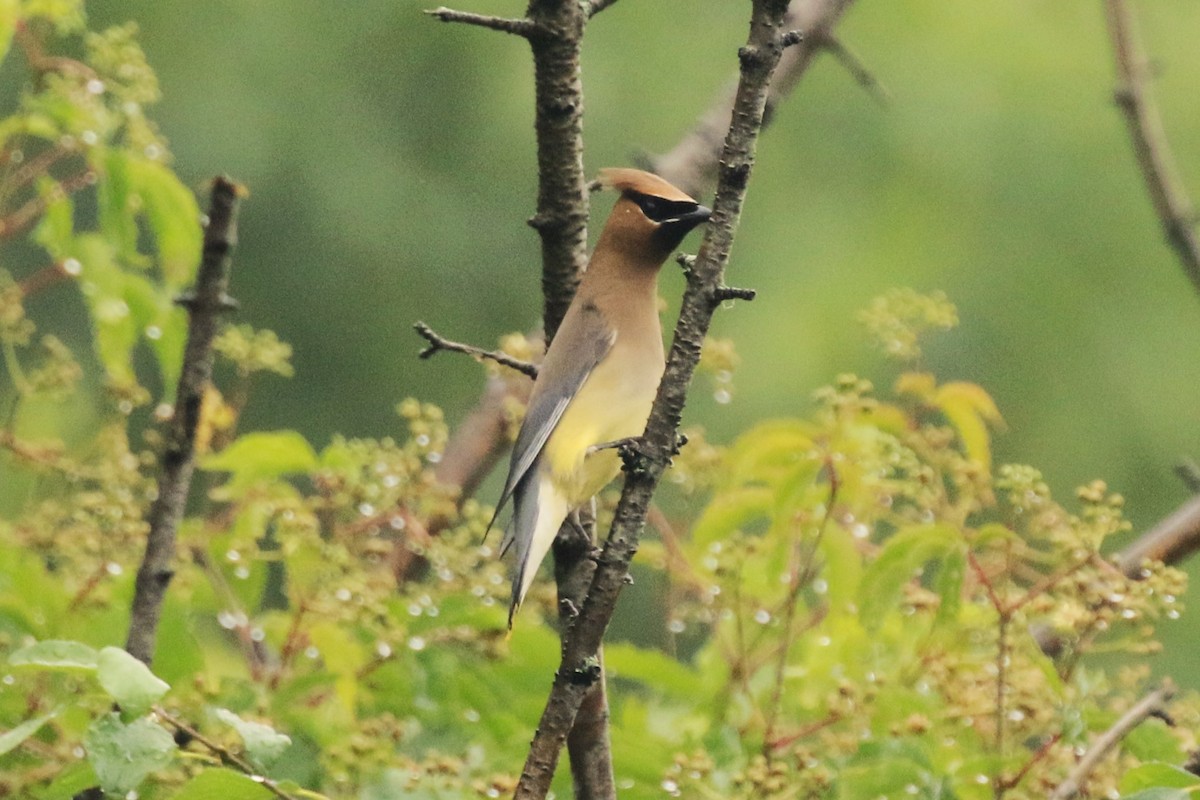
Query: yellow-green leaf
(970, 410)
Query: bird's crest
(625, 179)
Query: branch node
(587, 673)
(791, 38)
(225, 303)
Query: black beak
(671, 231)
(690, 220)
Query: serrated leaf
(128, 681)
(55, 654)
(115, 203)
(897, 563)
(11, 739)
(222, 784)
(970, 410)
(263, 744)
(1158, 774)
(173, 217)
(258, 456)
(123, 755)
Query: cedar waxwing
(601, 372)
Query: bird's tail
(539, 509)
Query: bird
(600, 373)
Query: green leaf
(262, 742)
(258, 456)
(842, 569)
(8, 25)
(128, 681)
(57, 229)
(1156, 775)
(1153, 741)
(902, 556)
(123, 755)
(887, 776)
(653, 668)
(949, 585)
(729, 511)
(55, 654)
(221, 784)
(12, 739)
(1160, 793)
(116, 204)
(104, 289)
(174, 219)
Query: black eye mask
(660, 210)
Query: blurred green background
(390, 161)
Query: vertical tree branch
(562, 205)
(1150, 145)
(205, 305)
(579, 667)
(561, 222)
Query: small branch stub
(517, 27)
(723, 293)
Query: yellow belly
(613, 404)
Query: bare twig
(1150, 145)
(857, 69)
(692, 164)
(1152, 703)
(517, 27)
(21, 218)
(205, 306)
(577, 673)
(1189, 472)
(438, 343)
(226, 755)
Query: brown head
(649, 219)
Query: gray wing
(583, 340)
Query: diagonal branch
(1150, 146)
(437, 343)
(1153, 703)
(205, 305)
(579, 669)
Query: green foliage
(851, 610)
